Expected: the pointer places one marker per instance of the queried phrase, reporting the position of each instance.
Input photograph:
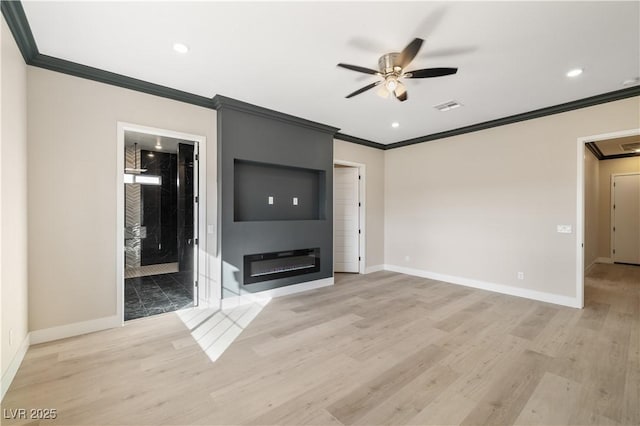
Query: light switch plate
(270, 200)
(295, 201)
(564, 229)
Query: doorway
(600, 159)
(349, 229)
(160, 224)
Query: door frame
(580, 207)
(200, 257)
(612, 211)
(361, 213)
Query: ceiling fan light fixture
(391, 83)
(392, 70)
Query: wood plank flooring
(384, 348)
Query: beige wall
(485, 205)
(13, 178)
(72, 188)
(373, 159)
(591, 202)
(607, 168)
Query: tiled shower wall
(132, 216)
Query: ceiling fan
(392, 68)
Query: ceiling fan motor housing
(388, 64)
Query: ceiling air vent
(448, 105)
(630, 147)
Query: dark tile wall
(160, 209)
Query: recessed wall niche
(265, 156)
(264, 192)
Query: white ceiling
(614, 146)
(149, 142)
(512, 56)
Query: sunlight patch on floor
(215, 330)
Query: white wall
(591, 202)
(373, 159)
(485, 205)
(72, 189)
(13, 223)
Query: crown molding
(616, 156)
(591, 146)
(220, 103)
(111, 78)
(360, 141)
(17, 21)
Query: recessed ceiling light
(395, 124)
(575, 72)
(180, 48)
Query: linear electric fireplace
(271, 266)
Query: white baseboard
(374, 268)
(74, 329)
(12, 369)
(264, 296)
(604, 260)
(483, 285)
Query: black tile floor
(156, 294)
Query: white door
(346, 219)
(626, 219)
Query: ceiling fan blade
(364, 89)
(430, 72)
(410, 52)
(359, 69)
(400, 92)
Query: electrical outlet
(521, 275)
(270, 200)
(295, 201)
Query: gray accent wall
(250, 135)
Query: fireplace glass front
(270, 266)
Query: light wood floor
(378, 349)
